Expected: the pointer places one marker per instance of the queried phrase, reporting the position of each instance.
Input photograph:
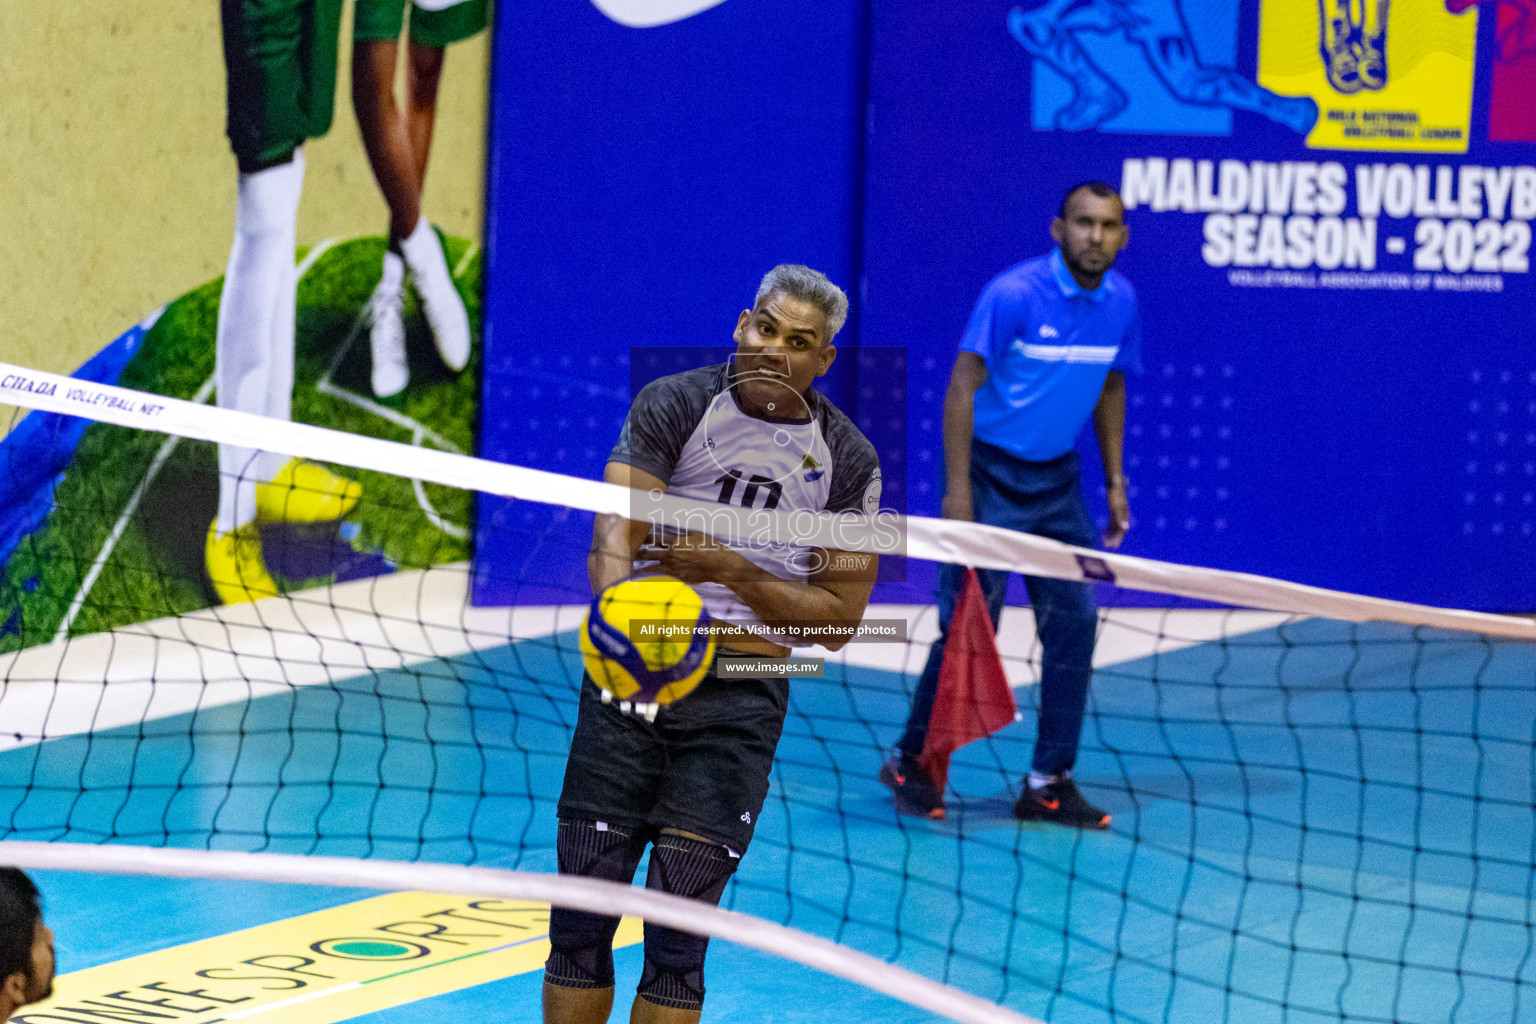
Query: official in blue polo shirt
(1047, 347)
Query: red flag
(973, 697)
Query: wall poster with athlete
(346, 296)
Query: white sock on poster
(254, 343)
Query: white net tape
(588, 894)
(941, 540)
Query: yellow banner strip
(320, 968)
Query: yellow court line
(320, 968)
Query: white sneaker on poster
(440, 300)
(386, 331)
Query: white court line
(164, 453)
(121, 526)
(465, 260)
(419, 430)
(429, 510)
(326, 386)
(283, 1004)
(311, 257)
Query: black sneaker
(1060, 802)
(915, 792)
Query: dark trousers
(1045, 499)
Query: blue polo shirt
(1048, 345)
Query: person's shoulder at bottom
(1024, 278)
(1119, 286)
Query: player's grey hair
(807, 285)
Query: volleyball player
(26, 944)
(751, 433)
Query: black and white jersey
(688, 431)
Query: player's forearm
(616, 540)
(1109, 425)
(612, 555)
(773, 599)
(810, 604)
(959, 427)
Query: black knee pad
(581, 943)
(674, 960)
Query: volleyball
(642, 640)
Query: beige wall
(117, 183)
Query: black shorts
(701, 767)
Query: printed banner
(320, 968)
(1512, 113)
(1423, 226)
(1385, 76)
(297, 309)
(1330, 209)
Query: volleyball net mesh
(1322, 804)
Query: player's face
(37, 985)
(782, 344)
(42, 963)
(1092, 233)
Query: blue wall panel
(641, 182)
(1360, 436)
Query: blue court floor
(1314, 823)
